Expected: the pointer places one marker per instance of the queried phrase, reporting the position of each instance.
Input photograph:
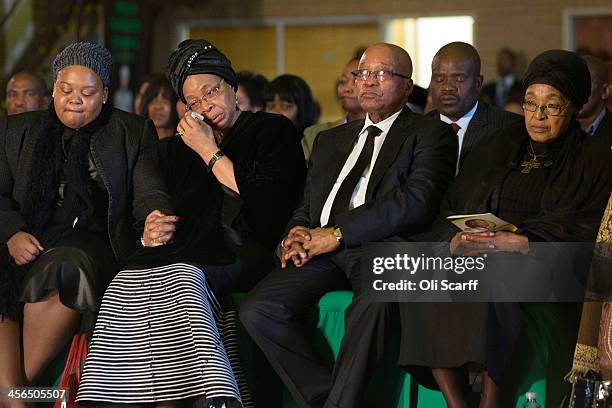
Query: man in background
(26, 92)
(594, 118)
(497, 93)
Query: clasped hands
(474, 243)
(303, 244)
(159, 229)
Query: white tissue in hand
(197, 116)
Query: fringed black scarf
(44, 179)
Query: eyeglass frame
(359, 77)
(544, 108)
(189, 107)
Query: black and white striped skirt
(156, 340)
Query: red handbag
(71, 377)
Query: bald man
(455, 84)
(26, 92)
(369, 180)
(594, 118)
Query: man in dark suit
(507, 86)
(594, 118)
(368, 180)
(454, 88)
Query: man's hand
(292, 246)
(296, 253)
(23, 247)
(322, 241)
(297, 234)
(159, 228)
(465, 243)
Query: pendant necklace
(533, 162)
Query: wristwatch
(338, 235)
(214, 159)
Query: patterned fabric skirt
(156, 339)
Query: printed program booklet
(481, 223)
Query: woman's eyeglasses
(208, 96)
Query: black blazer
(126, 156)
(603, 133)
(413, 170)
(487, 120)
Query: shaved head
(460, 51)
(399, 56)
(385, 88)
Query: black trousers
(274, 314)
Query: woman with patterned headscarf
(77, 184)
(236, 178)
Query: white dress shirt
(359, 194)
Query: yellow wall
(319, 53)
(527, 26)
(249, 48)
(319, 65)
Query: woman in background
(250, 91)
(290, 96)
(158, 104)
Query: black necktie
(345, 192)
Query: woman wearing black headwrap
(76, 185)
(235, 178)
(541, 177)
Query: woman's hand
(198, 135)
(23, 247)
(466, 243)
(159, 229)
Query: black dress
(80, 264)
(572, 180)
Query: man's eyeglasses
(208, 96)
(380, 75)
(549, 109)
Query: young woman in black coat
(76, 185)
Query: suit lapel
(475, 128)
(25, 161)
(393, 143)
